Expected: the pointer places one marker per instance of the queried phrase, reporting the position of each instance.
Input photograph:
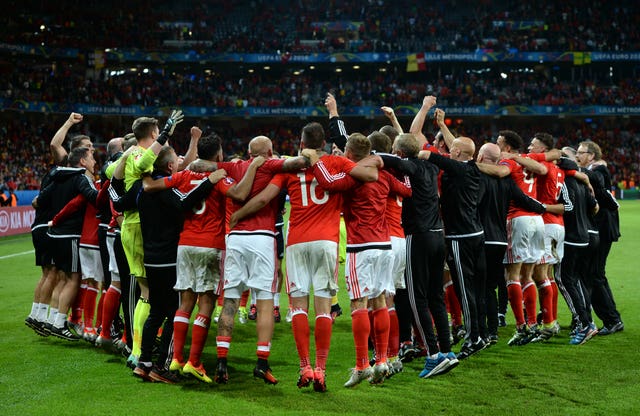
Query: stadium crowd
(147, 216)
(380, 26)
(226, 89)
(25, 152)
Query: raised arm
(255, 204)
(446, 133)
(418, 121)
(391, 115)
(57, 150)
(337, 131)
(192, 151)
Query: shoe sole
(197, 375)
(65, 337)
(590, 335)
(155, 377)
(137, 372)
(266, 377)
(436, 370)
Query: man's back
(315, 213)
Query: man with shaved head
(464, 235)
(494, 205)
(250, 260)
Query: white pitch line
(16, 254)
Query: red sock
(78, 302)
(301, 333)
(180, 329)
(545, 293)
(554, 300)
(360, 327)
(244, 298)
(530, 297)
(263, 350)
(381, 330)
(222, 346)
(110, 307)
(514, 291)
(394, 334)
(89, 306)
(324, 325)
(221, 299)
(198, 338)
(372, 334)
(454, 305)
(100, 306)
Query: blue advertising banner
(317, 111)
(480, 55)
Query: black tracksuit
(608, 226)
(66, 184)
(576, 224)
(459, 200)
(494, 205)
(161, 220)
(423, 229)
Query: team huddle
(439, 238)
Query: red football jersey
(364, 205)
(89, 236)
(315, 213)
(204, 226)
(394, 215)
(265, 219)
(549, 187)
(525, 180)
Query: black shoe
(47, 328)
(37, 326)
(458, 333)
(502, 320)
(222, 374)
(469, 349)
(265, 374)
(161, 375)
(612, 329)
(143, 371)
(30, 322)
(276, 314)
(64, 333)
(490, 340)
(336, 311)
(406, 353)
(253, 312)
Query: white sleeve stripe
(341, 128)
(328, 176)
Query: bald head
(465, 146)
(489, 153)
(261, 146)
(115, 145)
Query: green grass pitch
(47, 376)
